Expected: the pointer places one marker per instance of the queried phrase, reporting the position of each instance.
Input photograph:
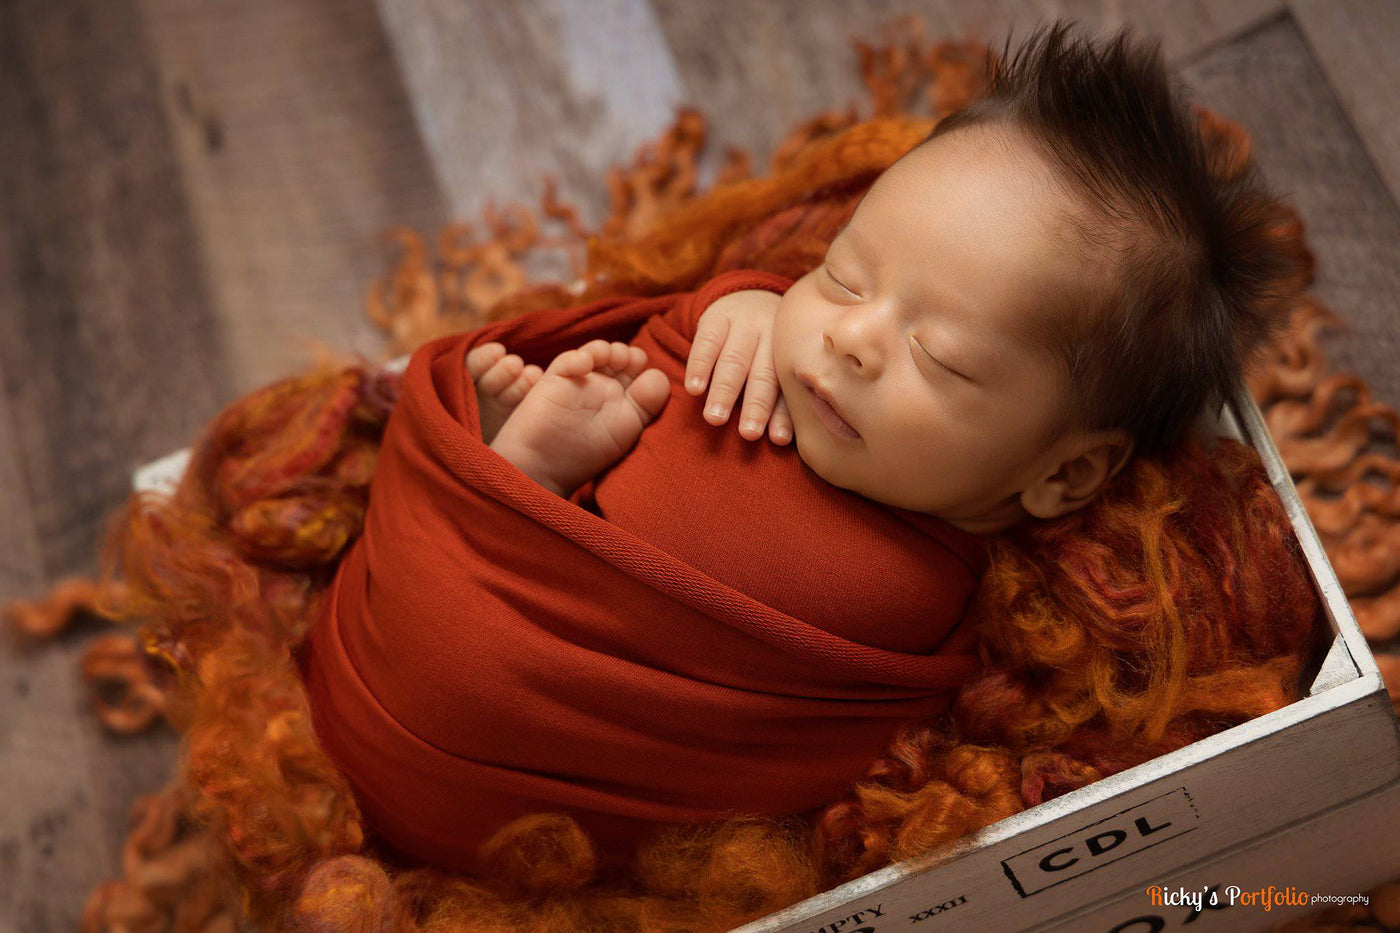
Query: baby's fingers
(710, 334)
(760, 396)
(731, 370)
(780, 425)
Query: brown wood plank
(508, 92)
(54, 843)
(758, 68)
(1270, 83)
(107, 349)
(67, 787)
(21, 556)
(1355, 44)
(297, 147)
(108, 356)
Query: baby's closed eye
(831, 275)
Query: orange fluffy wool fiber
(1173, 607)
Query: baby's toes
(482, 358)
(650, 391)
(621, 358)
(635, 363)
(500, 377)
(605, 356)
(513, 394)
(636, 360)
(598, 353)
(573, 363)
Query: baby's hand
(734, 338)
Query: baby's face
(919, 326)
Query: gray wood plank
(297, 148)
(1269, 82)
(788, 59)
(107, 350)
(1356, 43)
(67, 787)
(508, 92)
(108, 356)
(112, 351)
(55, 844)
(21, 556)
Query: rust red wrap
(707, 630)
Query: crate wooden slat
(1336, 852)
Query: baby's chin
(833, 466)
(840, 468)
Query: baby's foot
(584, 413)
(502, 380)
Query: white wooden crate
(1290, 798)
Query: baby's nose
(857, 342)
(831, 345)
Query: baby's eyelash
(914, 340)
(838, 281)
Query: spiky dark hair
(1198, 274)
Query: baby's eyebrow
(857, 242)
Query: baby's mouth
(827, 414)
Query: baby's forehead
(1042, 326)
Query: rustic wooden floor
(190, 188)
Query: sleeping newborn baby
(909, 370)
(578, 590)
(913, 364)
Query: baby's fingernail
(780, 434)
(715, 411)
(694, 383)
(751, 426)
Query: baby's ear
(1083, 464)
